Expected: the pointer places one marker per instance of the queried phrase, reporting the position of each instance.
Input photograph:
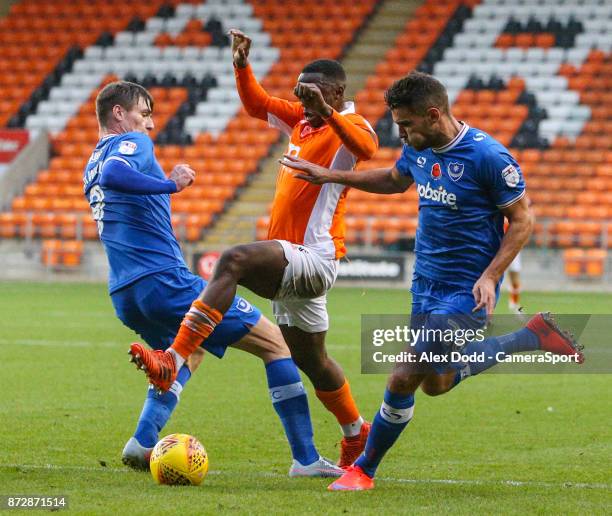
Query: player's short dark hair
(331, 69)
(417, 91)
(124, 93)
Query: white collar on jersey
(348, 107)
(453, 143)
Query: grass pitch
(497, 444)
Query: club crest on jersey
(436, 171)
(421, 160)
(127, 148)
(244, 306)
(455, 170)
(511, 176)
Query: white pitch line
(509, 483)
(443, 481)
(60, 343)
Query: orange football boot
(159, 366)
(552, 338)
(351, 447)
(354, 479)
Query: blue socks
(158, 408)
(394, 414)
(287, 394)
(291, 404)
(521, 340)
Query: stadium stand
(538, 80)
(182, 55)
(537, 77)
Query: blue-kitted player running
(467, 182)
(151, 287)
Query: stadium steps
(375, 40)
(237, 225)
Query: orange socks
(515, 295)
(197, 325)
(342, 405)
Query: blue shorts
(155, 305)
(442, 306)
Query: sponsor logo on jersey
(455, 170)
(478, 137)
(127, 148)
(244, 306)
(511, 176)
(421, 160)
(436, 171)
(439, 194)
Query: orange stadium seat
(51, 252)
(580, 262)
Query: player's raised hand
(307, 171)
(312, 99)
(241, 44)
(484, 294)
(183, 175)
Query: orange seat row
(58, 252)
(589, 263)
(526, 40)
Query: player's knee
(432, 389)
(312, 364)
(438, 384)
(233, 261)
(401, 382)
(274, 346)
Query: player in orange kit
(514, 275)
(298, 263)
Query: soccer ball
(179, 460)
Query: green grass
(70, 400)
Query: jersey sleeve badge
(127, 148)
(511, 176)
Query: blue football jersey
(136, 230)
(461, 189)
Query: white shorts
(301, 300)
(515, 266)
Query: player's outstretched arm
(520, 226)
(117, 175)
(382, 180)
(254, 98)
(183, 175)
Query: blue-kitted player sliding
(151, 287)
(467, 182)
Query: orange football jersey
(303, 213)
